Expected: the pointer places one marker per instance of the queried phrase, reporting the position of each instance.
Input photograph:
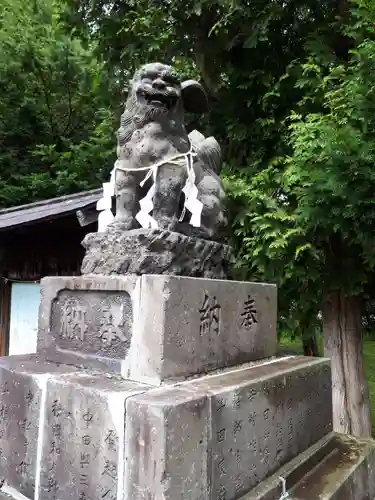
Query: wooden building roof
(49, 209)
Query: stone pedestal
(220, 435)
(23, 385)
(167, 388)
(145, 251)
(83, 445)
(153, 328)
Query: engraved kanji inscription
(22, 467)
(222, 468)
(110, 440)
(84, 460)
(73, 320)
(221, 435)
(237, 427)
(220, 403)
(88, 417)
(110, 469)
(84, 480)
(85, 457)
(252, 417)
(56, 430)
(51, 485)
(109, 331)
(56, 408)
(29, 397)
(86, 439)
(210, 315)
(96, 322)
(4, 411)
(55, 448)
(222, 493)
(249, 315)
(253, 444)
(108, 494)
(25, 424)
(236, 402)
(238, 483)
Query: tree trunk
(310, 345)
(342, 329)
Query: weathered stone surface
(259, 419)
(156, 328)
(167, 441)
(87, 321)
(201, 325)
(145, 251)
(258, 426)
(23, 382)
(337, 468)
(83, 442)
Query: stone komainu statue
(165, 178)
(169, 198)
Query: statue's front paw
(126, 223)
(167, 223)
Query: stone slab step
(336, 468)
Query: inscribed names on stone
(93, 322)
(22, 382)
(87, 413)
(259, 426)
(19, 416)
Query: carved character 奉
(152, 132)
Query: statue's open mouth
(157, 99)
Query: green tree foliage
(239, 49)
(309, 222)
(54, 106)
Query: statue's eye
(171, 78)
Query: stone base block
(145, 251)
(156, 328)
(82, 449)
(23, 386)
(94, 436)
(217, 437)
(336, 468)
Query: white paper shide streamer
(144, 216)
(104, 205)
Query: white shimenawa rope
(144, 217)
